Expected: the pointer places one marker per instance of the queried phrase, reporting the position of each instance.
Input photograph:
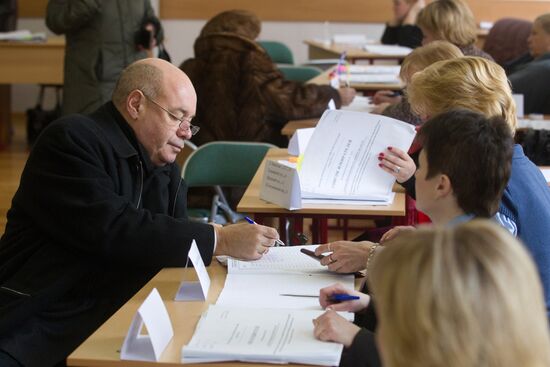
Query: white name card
(281, 185)
(195, 291)
(153, 314)
(518, 99)
(298, 143)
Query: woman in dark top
(402, 29)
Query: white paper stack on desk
(259, 335)
(265, 310)
(282, 278)
(340, 162)
(370, 79)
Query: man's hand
(326, 293)
(244, 241)
(346, 257)
(332, 327)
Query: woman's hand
(394, 232)
(334, 328)
(357, 305)
(397, 163)
(385, 96)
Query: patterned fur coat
(241, 94)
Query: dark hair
(475, 152)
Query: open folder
(340, 161)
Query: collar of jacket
(121, 136)
(204, 44)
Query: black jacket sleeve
(362, 352)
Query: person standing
(101, 36)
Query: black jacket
(92, 221)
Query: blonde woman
(422, 57)
(402, 29)
(480, 85)
(453, 21)
(462, 296)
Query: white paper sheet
(259, 335)
(370, 78)
(374, 69)
(389, 50)
(341, 159)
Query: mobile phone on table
(311, 254)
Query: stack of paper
(370, 78)
(534, 124)
(341, 161)
(388, 50)
(259, 335)
(374, 69)
(22, 35)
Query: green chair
(300, 73)
(278, 52)
(222, 163)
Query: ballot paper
(287, 259)
(259, 335)
(340, 162)
(388, 50)
(374, 69)
(341, 159)
(370, 79)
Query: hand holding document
(340, 162)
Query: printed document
(341, 159)
(259, 335)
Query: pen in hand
(278, 242)
(341, 297)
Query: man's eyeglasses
(181, 120)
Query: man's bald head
(152, 76)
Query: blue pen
(340, 297)
(277, 242)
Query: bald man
(100, 209)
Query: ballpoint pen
(336, 297)
(278, 242)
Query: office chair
(300, 73)
(222, 164)
(278, 52)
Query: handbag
(38, 118)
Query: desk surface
(320, 50)
(32, 62)
(251, 202)
(102, 348)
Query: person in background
(533, 78)
(402, 29)
(448, 296)
(8, 15)
(100, 36)
(398, 107)
(101, 208)
(452, 21)
(150, 38)
(242, 95)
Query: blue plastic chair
(300, 73)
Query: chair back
(224, 163)
(300, 73)
(507, 39)
(278, 52)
